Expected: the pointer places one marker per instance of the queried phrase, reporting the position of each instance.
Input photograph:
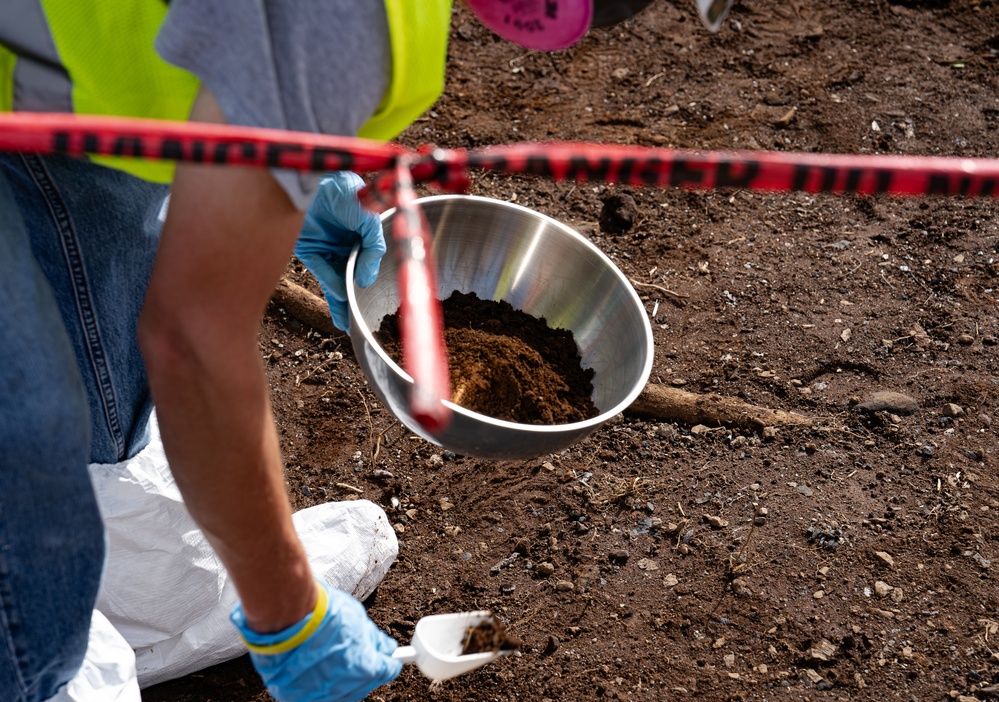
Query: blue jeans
(77, 244)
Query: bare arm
(228, 236)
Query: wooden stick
(672, 405)
(305, 306)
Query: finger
(368, 264)
(334, 288)
(384, 643)
(372, 250)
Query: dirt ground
(847, 559)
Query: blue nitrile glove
(335, 654)
(335, 222)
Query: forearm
(228, 236)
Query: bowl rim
(357, 320)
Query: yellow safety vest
(113, 69)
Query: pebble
(805, 490)
(545, 570)
(885, 558)
(952, 410)
(647, 564)
(671, 580)
(893, 402)
(822, 651)
(715, 522)
(882, 588)
(564, 586)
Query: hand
(336, 654)
(334, 223)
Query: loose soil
(507, 364)
(489, 636)
(848, 559)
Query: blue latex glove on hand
(336, 654)
(335, 222)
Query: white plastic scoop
(437, 644)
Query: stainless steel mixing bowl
(501, 251)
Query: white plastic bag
(166, 592)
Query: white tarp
(165, 592)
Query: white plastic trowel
(438, 641)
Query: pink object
(545, 25)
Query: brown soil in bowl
(489, 636)
(507, 364)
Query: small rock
(818, 594)
(985, 419)
(882, 588)
(805, 490)
(769, 433)
(564, 586)
(823, 651)
(718, 643)
(445, 504)
(966, 339)
(545, 570)
(647, 564)
(952, 410)
(897, 595)
(715, 522)
(671, 580)
(885, 558)
(505, 563)
(551, 646)
(381, 474)
(452, 530)
(399, 528)
(893, 402)
(305, 490)
(699, 429)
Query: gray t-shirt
(306, 65)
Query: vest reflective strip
(39, 81)
(107, 48)
(8, 60)
(419, 33)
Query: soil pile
(489, 636)
(507, 364)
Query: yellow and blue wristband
(286, 639)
